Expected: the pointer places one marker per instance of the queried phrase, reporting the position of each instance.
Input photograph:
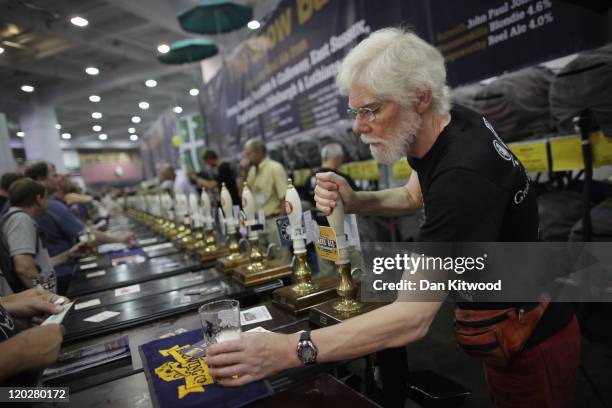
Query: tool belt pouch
(495, 336)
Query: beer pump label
(327, 246)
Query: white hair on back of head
(331, 151)
(397, 65)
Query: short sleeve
(463, 206)
(20, 233)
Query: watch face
(307, 353)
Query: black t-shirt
(224, 173)
(8, 329)
(475, 190)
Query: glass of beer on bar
(221, 321)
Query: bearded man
(473, 190)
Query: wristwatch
(306, 350)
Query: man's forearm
(390, 326)
(390, 202)
(27, 274)
(60, 258)
(12, 359)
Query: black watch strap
(305, 336)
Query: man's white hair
(397, 65)
(331, 151)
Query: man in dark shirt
(332, 157)
(221, 172)
(473, 189)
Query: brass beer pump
(258, 270)
(209, 249)
(305, 292)
(347, 290)
(235, 258)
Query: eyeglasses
(366, 112)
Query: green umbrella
(189, 50)
(215, 17)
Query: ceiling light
(92, 70)
(66, 136)
(133, 138)
(94, 98)
(136, 119)
(96, 128)
(253, 24)
(163, 48)
(1, 50)
(150, 83)
(132, 130)
(58, 126)
(20, 134)
(177, 109)
(79, 21)
(96, 115)
(194, 92)
(27, 88)
(143, 105)
(102, 136)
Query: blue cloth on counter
(181, 382)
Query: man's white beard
(396, 146)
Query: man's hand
(79, 250)
(126, 238)
(39, 346)
(253, 357)
(32, 307)
(329, 187)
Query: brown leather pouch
(495, 336)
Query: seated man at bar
(60, 226)
(468, 179)
(25, 347)
(26, 262)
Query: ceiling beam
(38, 23)
(47, 70)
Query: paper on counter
(255, 315)
(100, 317)
(258, 329)
(85, 305)
(127, 290)
(95, 274)
(158, 246)
(89, 266)
(147, 241)
(105, 248)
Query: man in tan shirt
(267, 180)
